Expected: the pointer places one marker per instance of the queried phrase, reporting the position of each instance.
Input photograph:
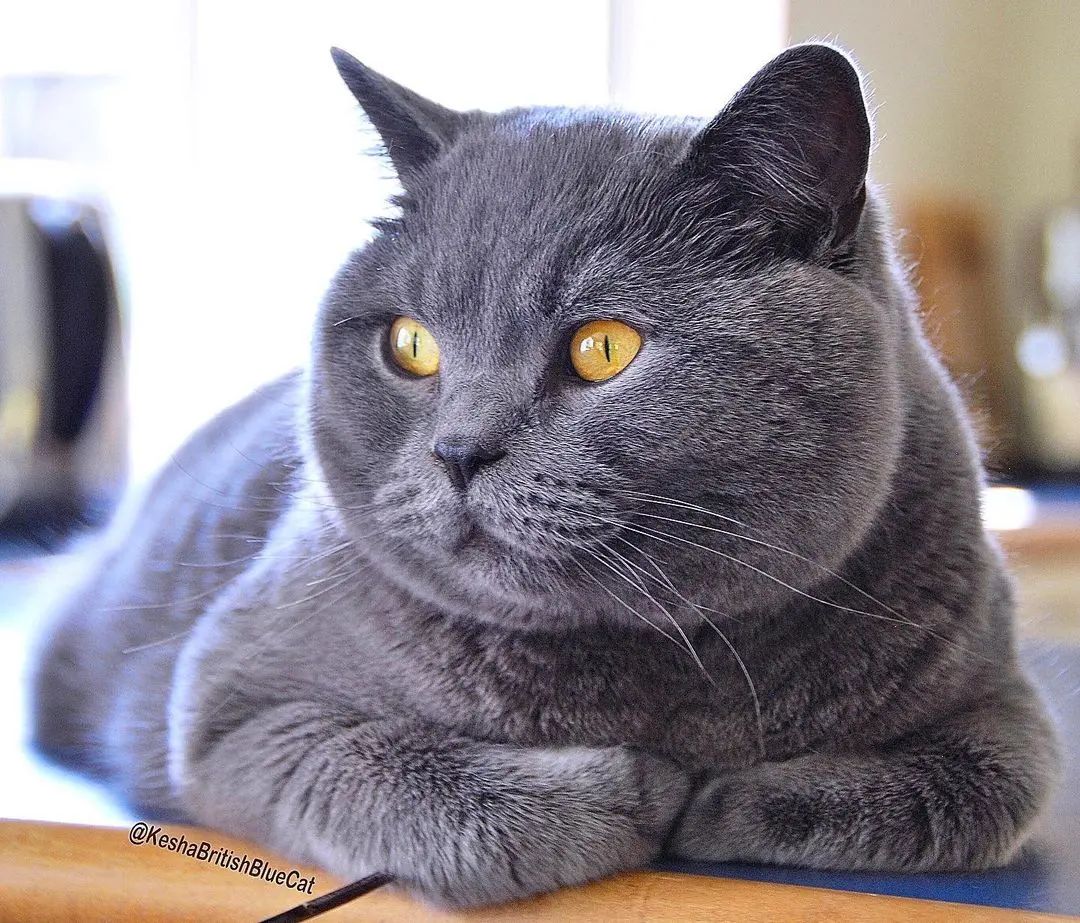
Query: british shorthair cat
(621, 509)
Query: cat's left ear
(791, 150)
(414, 130)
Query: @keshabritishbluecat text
(144, 834)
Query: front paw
(720, 823)
(663, 789)
(554, 819)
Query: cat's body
(309, 638)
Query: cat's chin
(485, 556)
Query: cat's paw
(718, 823)
(663, 789)
(557, 818)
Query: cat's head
(538, 471)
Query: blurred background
(179, 180)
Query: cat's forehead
(514, 217)
(531, 157)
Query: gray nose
(463, 457)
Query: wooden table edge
(63, 871)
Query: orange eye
(413, 347)
(603, 348)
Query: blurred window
(231, 161)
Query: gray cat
(621, 510)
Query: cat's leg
(460, 822)
(959, 794)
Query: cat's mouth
(472, 533)
(478, 543)
(474, 536)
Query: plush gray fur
(734, 603)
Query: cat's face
(762, 402)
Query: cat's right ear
(413, 129)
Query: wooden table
(82, 874)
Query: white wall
(688, 57)
(934, 68)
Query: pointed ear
(791, 150)
(413, 130)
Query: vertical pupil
(415, 343)
(607, 348)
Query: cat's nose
(463, 457)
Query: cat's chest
(577, 690)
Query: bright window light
(1008, 508)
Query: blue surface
(1055, 492)
(1045, 877)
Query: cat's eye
(603, 348)
(413, 347)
